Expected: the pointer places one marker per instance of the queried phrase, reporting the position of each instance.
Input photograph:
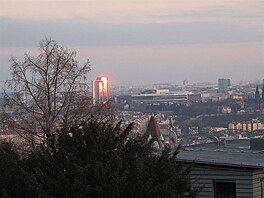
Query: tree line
(93, 159)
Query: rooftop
(234, 153)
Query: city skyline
(143, 42)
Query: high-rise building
(257, 93)
(257, 97)
(223, 83)
(100, 90)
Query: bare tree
(46, 91)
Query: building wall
(203, 176)
(195, 97)
(223, 83)
(260, 126)
(246, 126)
(159, 98)
(100, 90)
(249, 127)
(96, 94)
(258, 177)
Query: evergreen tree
(10, 172)
(98, 160)
(94, 159)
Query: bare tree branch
(45, 91)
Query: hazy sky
(143, 42)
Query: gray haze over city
(143, 42)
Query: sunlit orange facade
(100, 90)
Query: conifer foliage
(96, 159)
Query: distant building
(257, 98)
(165, 96)
(226, 109)
(157, 100)
(257, 94)
(238, 96)
(160, 97)
(100, 90)
(253, 125)
(194, 97)
(123, 102)
(223, 83)
(193, 130)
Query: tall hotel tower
(100, 90)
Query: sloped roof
(153, 130)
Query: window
(224, 188)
